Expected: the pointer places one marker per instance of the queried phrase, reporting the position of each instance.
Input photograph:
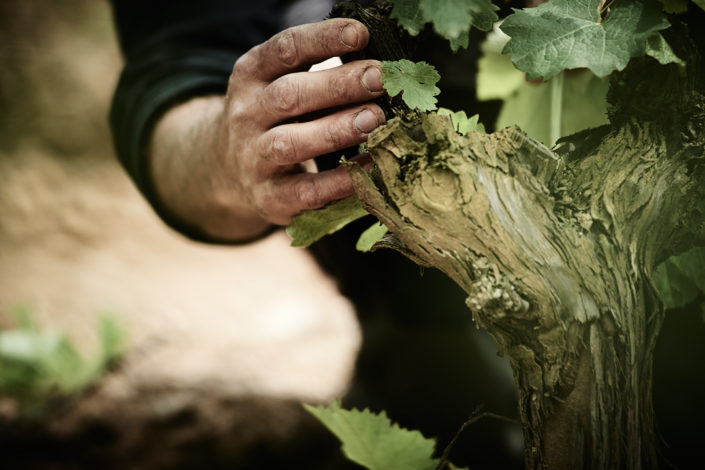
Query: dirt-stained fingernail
(366, 121)
(349, 36)
(372, 79)
(364, 160)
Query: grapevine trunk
(555, 250)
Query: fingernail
(372, 79)
(366, 121)
(348, 35)
(364, 160)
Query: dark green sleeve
(173, 51)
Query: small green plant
(38, 364)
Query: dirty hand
(265, 133)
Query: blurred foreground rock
(224, 342)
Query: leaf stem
(476, 416)
(556, 111)
(603, 9)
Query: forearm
(183, 149)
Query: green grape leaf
(675, 6)
(310, 226)
(371, 236)
(679, 278)
(462, 123)
(374, 442)
(453, 18)
(414, 80)
(409, 15)
(700, 3)
(567, 34)
(484, 20)
(658, 48)
(461, 41)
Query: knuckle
(307, 192)
(341, 87)
(237, 113)
(246, 64)
(335, 135)
(263, 200)
(284, 95)
(285, 47)
(281, 147)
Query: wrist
(185, 165)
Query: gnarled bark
(555, 250)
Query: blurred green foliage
(38, 364)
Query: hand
(253, 173)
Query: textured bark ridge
(555, 250)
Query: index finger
(297, 48)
